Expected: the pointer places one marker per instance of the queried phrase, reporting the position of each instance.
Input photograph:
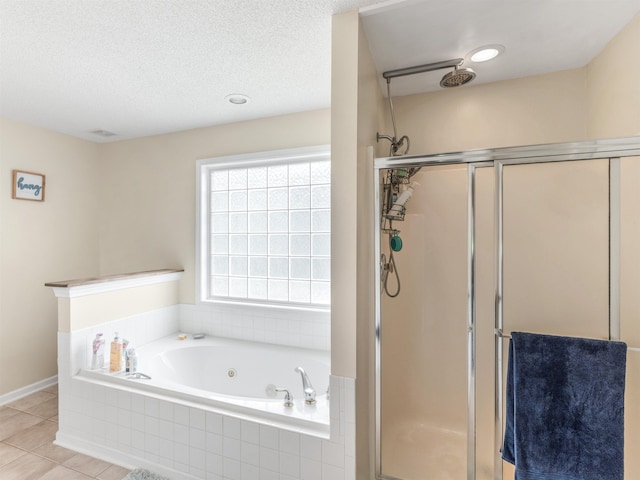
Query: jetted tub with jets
(234, 377)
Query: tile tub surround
(305, 328)
(300, 327)
(188, 441)
(137, 329)
(27, 452)
(185, 442)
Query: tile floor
(27, 429)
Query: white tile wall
(304, 328)
(300, 328)
(186, 442)
(137, 329)
(200, 444)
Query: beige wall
(42, 242)
(110, 208)
(600, 100)
(354, 123)
(147, 189)
(526, 111)
(369, 102)
(355, 118)
(344, 192)
(85, 311)
(613, 92)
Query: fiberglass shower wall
(423, 352)
(571, 236)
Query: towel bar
(500, 334)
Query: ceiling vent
(103, 133)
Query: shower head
(458, 77)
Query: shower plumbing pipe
(451, 79)
(395, 142)
(393, 115)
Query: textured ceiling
(146, 67)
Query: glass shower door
(423, 331)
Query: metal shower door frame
(603, 150)
(612, 149)
(397, 162)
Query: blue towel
(565, 408)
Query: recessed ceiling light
(488, 52)
(237, 99)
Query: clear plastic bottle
(97, 360)
(398, 206)
(125, 350)
(132, 361)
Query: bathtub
(232, 377)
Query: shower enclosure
(541, 239)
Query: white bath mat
(141, 474)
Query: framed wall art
(28, 186)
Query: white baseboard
(110, 455)
(28, 390)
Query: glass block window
(266, 228)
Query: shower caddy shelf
(388, 219)
(395, 177)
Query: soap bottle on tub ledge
(125, 349)
(132, 361)
(97, 360)
(115, 359)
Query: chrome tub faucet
(309, 391)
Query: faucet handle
(288, 398)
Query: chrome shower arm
(429, 67)
(393, 115)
